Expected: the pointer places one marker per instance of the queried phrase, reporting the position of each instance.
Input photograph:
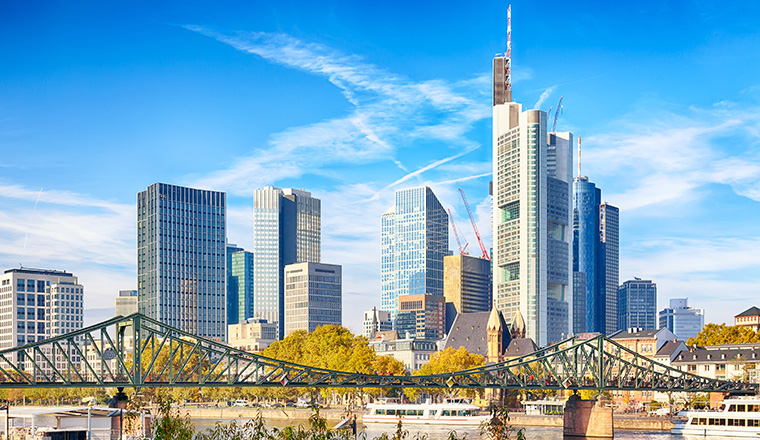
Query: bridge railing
(137, 351)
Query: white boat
(450, 412)
(737, 417)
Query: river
(374, 430)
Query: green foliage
(170, 424)
(498, 427)
(714, 334)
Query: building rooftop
(470, 330)
(706, 355)
(520, 347)
(32, 271)
(752, 311)
(634, 334)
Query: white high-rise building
(376, 321)
(40, 304)
(532, 207)
(313, 296)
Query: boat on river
(451, 412)
(737, 417)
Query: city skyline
(377, 108)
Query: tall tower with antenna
(531, 239)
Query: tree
(714, 334)
(447, 361)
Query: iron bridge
(137, 351)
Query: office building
(39, 304)
(239, 285)
(420, 316)
(181, 258)
(637, 305)
(685, 322)
(415, 238)
(595, 254)
(312, 296)
(414, 353)
(467, 283)
(252, 334)
(579, 302)
(376, 321)
(286, 230)
(532, 206)
(126, 303)
(609, 235)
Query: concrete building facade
(376, 321)
(420, 316)
(532, 208)
(181, 258)
(126, 303)
(252, 335)
(313, 296)
(467, 283)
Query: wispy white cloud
(544, 96)
(390, 113)
(670, 157)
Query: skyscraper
(239, 285)
(684, 321)
(181, 258)
(415, 238)
(312, 296)
(532, 172)
(586, 245)
(467, 283)
(286, 230)
(609, 234)
(637, 305)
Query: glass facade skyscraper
(637, 305)
(586, 249)
(286, 230)
(596, 255)
(181, 258)
(415, 238)
(685, 322)
(239, 285)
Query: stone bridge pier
(587, 418)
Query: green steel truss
(103, 355)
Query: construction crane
(474, 226)
(456, 235)
(556, 114)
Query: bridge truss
(137, 351)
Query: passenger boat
(450, 412)
(738, 417)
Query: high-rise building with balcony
(415, 238)
(181, 258)
(286, 230)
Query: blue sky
(353, 100)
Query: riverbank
(624, 422)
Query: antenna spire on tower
(508, 61)
(579, 156)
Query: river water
(374, 430)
